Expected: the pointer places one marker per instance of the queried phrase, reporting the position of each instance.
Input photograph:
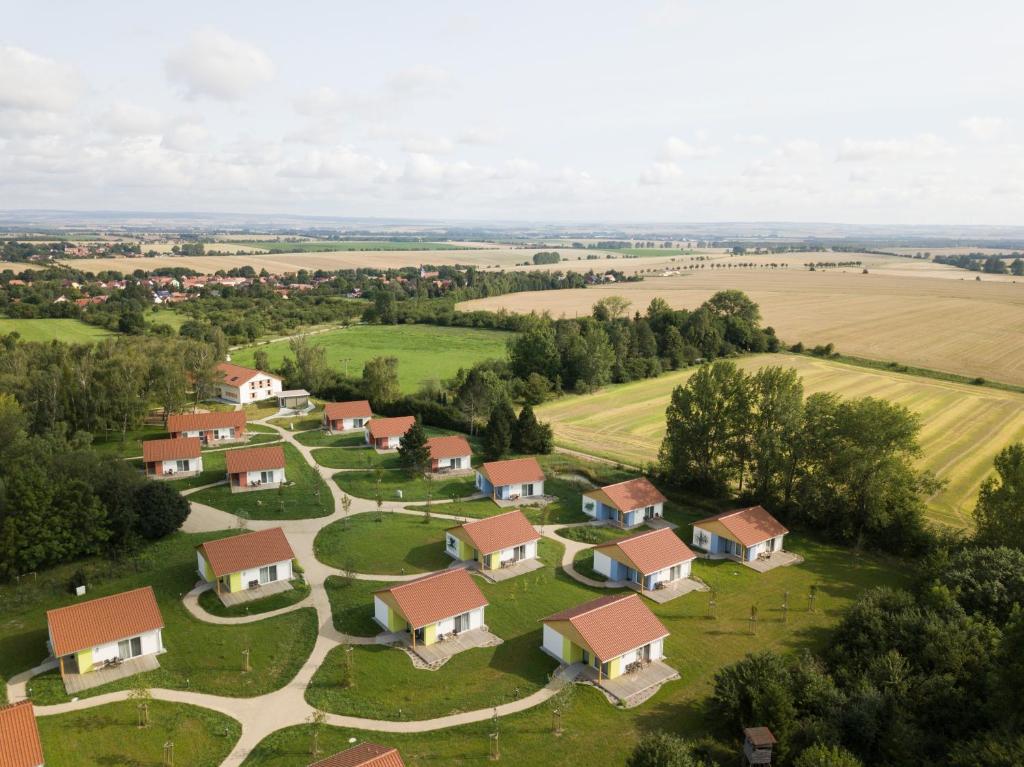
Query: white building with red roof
(363, 755)
(172, 458)
(247, 561)
(511, 480)
(494, 542)
(609, 634)
(105, 633)
(742, 534)
(346, 416)
(244, 385)
(255, 468)
(19, 736)
(448, 454)
(211, 428)
(431, 607)
(649, 560)
(387, 433)
(625, 504)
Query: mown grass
(200, 656)
(599, 534)
(110, 735)
(319, 438)
(352, 605)
(304, 497)
(402, 543)
(414, 487)
(209, 601)
(417, 347)
(355, 458)
(46, 330)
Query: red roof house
(512, 479)
(346, 416)
(255, 468)
(19, 736)
(166, 458)
(386, 433)
(210, 428)
(363, 755)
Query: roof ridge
(493, 516)
(421, 579)
(25, 702)
(614, 599)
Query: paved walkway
(261, 715)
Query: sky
(870, 112)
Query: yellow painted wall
(615, 668)
(430, 634)
(207, 571)
(395, 621)
(84, 658)
(235, 582)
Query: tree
(703, 421)
(168, 382)
(261, 360)
(413, 451)
(662, 749)
(826, 756)
(999, 515)
(610, 308)
(160, 509)
(476, 394)
(380, 380)
(531, 436)
(201, 365)
(535, 389)
(534, 350)
(984, 581)
(497, 439)
(311, 371)
(142, 697)
(755, 691)
(776, 398)
(385, 308)
(316, 723)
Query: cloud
(131, 119)
(418, 80)
(341, 162)
(34, 83)
(984, 128)
(317, 102)
(185, 137)
(478, 137)
(428, 145)
(923, 146)
(219, 66)
(660, 173)
(675, 149)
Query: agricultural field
(67, 330)
(954, 325)
(331, 246)
(963, 426)
(425, 352)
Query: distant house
(211, 428)
(742, 534)
(625, 504)
(608, 634)
(387, 433)
(255, 468)
(346, 416)
(449, 453)
(494, 542)
(436, 604)
(293, 399)
(89, 636)
(246, 561)
(518, 478)
(19, 736)
(245, 385)
(169, 458)
(647, 559)
(363, 755)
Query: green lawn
(355, 458)
(200, 656)
(583, 563)
(387, 686)
(167, 317)
(304, 497)
(69, 331)
(397, 544)
(600, 534)
(352, 605)
(424, 352)
(311, 420)
(698, 647)
(112, 443)
(210, 602)
(109, 735)
(363, 484)
(330, 246)
(320, 438)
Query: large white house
(245, 385)
(92, 635)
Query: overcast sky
(861, 112)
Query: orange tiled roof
(254, 459)
(363, 755)
(206, 421)
(751, 525)
(652, 551)
(499, 532)
(236, 375)
(336, 411)
(108, 619)
(243, 552)
(19, 736)
(448, 447)
(613, 625)
(170, 449)
(512, 472)
(633, 494)
(390, 427)
(436, 596)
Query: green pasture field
(963, 426)
(425, 352)
(402, 543)
(66, 330)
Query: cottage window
(184, 465)
(129, 648)
(357, 423)
(268, 574)
(527, 490)
(266, 476)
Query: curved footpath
(261, 715)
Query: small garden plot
(110, 734)
(414, 487)
(303, 497)
(395, 544)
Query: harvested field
(963, 426)
(958, 326)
